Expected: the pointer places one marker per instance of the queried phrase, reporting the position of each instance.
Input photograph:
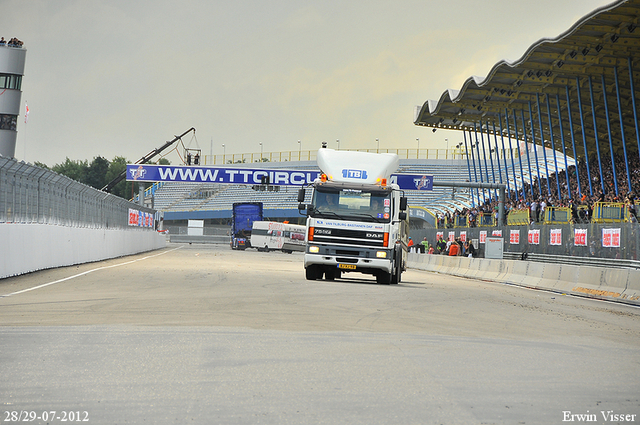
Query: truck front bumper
(364, 259)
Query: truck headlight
(314, 249)
(381, 254)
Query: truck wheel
(330, 275)
(311, 273)
(383, 278)
(397, 274)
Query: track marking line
(87, 272)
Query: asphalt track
(202, 334)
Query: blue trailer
(244, 214)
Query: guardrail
(310, 155)
(575, 261)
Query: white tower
(11, 71)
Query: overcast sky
(121, 77)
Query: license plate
(347, 266)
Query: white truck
(357, 220)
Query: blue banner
(200, 174)
(413, 181)
(195, 174)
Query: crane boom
(145, 159)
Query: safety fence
(30, 195)
(595, 240)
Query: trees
(75, 170)
(96, 174)
(99, 173)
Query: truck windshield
(353, 204)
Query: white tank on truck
(357, 220)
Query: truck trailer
(357, 220)
(243, 216)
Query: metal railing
(30, 194)
(310, 155)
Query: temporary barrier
(620, 285)
(460, 221)
(557, 215)
(610, 212)
(486, 220)
(518, 217)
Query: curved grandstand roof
(602, 46)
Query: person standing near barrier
(440, 245)
(423, 245)
(534, 210)
(470, 250)
(574, 211)
(410, 245)
(454, 249)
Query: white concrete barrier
(26, 248)
(621, 285)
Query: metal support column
(466, 148)
(606, 112)
(484, 194)
(584, 137)
(624, 141)
(595, 132)
(506, 167)
(475, 170)
(535, 150)
(493, 169)
(573, 140)
(495, 139)
(500, 187)
(513, 164)
(544, 148)
(553, 147)
(564, 149)
(526, 148)
(515, 125)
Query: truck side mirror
(403, 203)
(301, 195)
(402, 215)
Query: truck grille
(348, 237)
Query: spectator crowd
(14, 42)
(581, 203)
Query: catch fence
(30, 195)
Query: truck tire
(383, 278)
(311, 273)
(397, 272)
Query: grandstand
(184, 200)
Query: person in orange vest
(454, 249)
(410, 244)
